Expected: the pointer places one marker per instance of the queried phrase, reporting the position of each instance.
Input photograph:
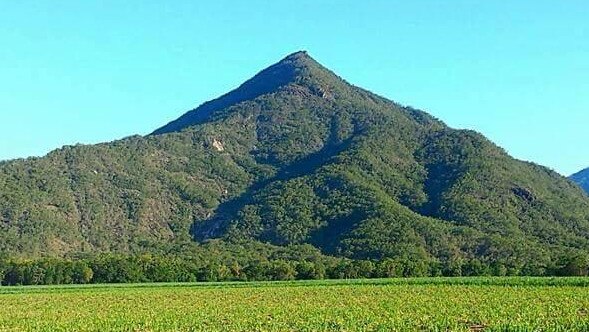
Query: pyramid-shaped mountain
(296, 155)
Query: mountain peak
(302, 54)
(296, 67)
(299, 59)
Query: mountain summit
(297, 156)
(297, 67)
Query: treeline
(111, 268)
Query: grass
(420, 304)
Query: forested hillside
(297, 156)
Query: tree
(575, 264)
(310, 270)
(81, 273)
(282, 270)
(388, 268)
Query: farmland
(438, 304)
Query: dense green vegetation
(471, 304)
(295, 264)
(582, 179)
(297, 158)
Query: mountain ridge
(582, 179)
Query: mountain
(298, 156)
(582, 179)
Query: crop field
(438, 304)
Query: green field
(463, 304)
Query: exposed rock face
(218, 145)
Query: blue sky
(93, 71)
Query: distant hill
(297, 155)
(582, 179)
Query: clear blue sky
(93, 71)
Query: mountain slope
(582, 179)
(297, 155)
